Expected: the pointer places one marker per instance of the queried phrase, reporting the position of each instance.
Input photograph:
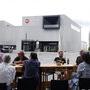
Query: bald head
(60, 53)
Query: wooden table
(19, 68)
(46, 69)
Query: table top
(58, 65)
(50, 65)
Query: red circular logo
(26, 20)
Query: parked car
(7, 50)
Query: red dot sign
(27, 21)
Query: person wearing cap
(20, 58)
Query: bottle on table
(67, 60)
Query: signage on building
(27, 21)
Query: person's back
(84, 70)
(7, 72)
(31, 71)
(31, 68)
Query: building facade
(42, 33)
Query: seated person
(79, 58)
(83, 71)
(60, 59)
(31, 70)
(20, 58)
(7, 72)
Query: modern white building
(84, 45)
(42, 33)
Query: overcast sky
(78, 10)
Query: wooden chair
(84, 83)
(59, 84)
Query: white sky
(78, 10)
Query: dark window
(28, 45)
(51, 22)
(46, 46)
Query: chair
(3, 86)
(19, 83)
(26, 84)
(84, 83)
(59, 84)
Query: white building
(84, 45)
(44, 33)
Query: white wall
(84, 45)
(10, 35)
(7, 35)
(70, 38)
(35, 31)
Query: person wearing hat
(20, 58)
